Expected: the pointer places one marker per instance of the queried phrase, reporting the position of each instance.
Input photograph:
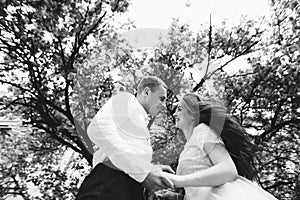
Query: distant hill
(144, 38)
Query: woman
(217, 162)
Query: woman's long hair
(234, 136)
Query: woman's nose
(162, 107)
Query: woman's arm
(222, 171)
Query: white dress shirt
(120, 131)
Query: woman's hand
(168, 195)
(176, 179)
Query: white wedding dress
(193, 158)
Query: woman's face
(183, 117)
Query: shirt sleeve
(120, 130)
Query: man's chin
(155, 113)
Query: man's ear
(147, 90)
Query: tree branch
(275, 129)
(16, 85)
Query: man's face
(156, 100)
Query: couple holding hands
(217, 162)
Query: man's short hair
(152, 82)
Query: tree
(265, 99)
(43, 45)
(33, 161)
(41, 42)
(265, 103)
(225, 44)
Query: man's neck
(143, 104)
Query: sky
(154, 17)
(159, 13)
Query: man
(122, 165)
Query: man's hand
(157, 180)
(168, 195)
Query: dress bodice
(193, 157)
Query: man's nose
(175, 113)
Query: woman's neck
(188, 131)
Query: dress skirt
(239, 189)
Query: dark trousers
(105, 183)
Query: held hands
(157, 180)
(160, 179)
